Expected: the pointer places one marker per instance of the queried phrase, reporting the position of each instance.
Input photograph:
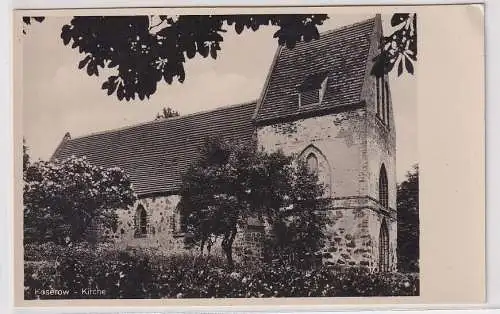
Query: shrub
(138, 274)
(37, 276)
(122, 274)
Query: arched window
(383, 193)
(178, 221)
(312, 163)
(317, 163)
(384, 247)
(141, 222)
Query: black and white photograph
(220, 156)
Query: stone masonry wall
(380, 140)
(163, 231)
(352, 150)
(162, 225)
(353, 233)
(336, 139)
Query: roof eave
(310, 113)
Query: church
(320, 102)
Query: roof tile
(157, 153)
(343, 53)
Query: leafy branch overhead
(145, 50)
(400, 48)
(27, 20)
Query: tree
(148, 49)
(167, 112)
(214, 196)
(63, 199)
(298, 226)
(408, 222)
(232, 182)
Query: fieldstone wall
(164, 234)
(163, 231)
(353, 233)
(248, 244)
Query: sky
(59, 98)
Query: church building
(320, 102)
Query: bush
(121, 274)
(134, 274)
(38, 276)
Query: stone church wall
(164, 234)
(344, 144)
(161, 225)
(354, 150)
(339, 139)
(353, 233)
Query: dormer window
(312, 89)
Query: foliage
(298, 224)
(215, 198)
(399, 48)
(27, 21)
(63, 199)
(138, 275)
(408, 222)
(148, 49)
(123, 274)
(231, 183)
(167, 112)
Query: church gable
(318, 75)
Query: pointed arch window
(383, 192)
(382, 87)
(317, 163)
(141, 222)
(179, 221)
(312, 163)
(386, 87)
(384, 247)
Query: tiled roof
(155, 154)
(342, 52)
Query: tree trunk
(227, 246)
(202, 245)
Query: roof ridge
(330, 31)
(164, 120)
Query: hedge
(139, 274)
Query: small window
(312, 89)
(387, 102)
(382, 99)
(141, 222)
(378, 96)
(383, 191)
(178, 221)
(384, 247)
(312, 163)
